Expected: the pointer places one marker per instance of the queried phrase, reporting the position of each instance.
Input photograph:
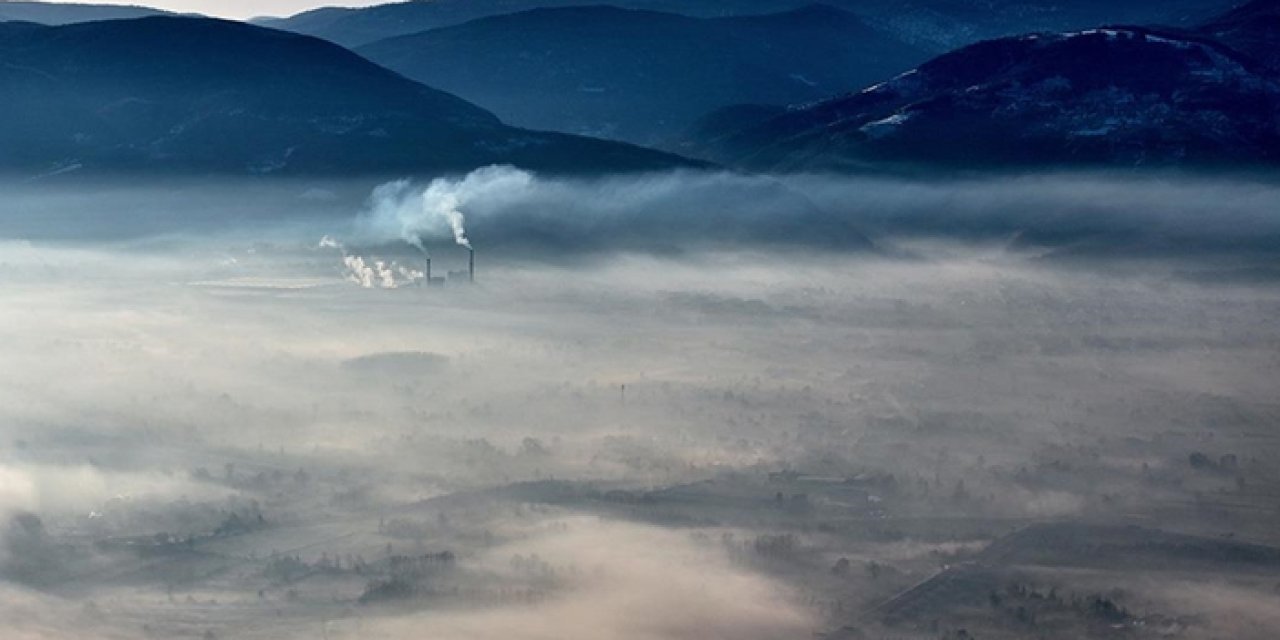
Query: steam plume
(374, 273)
(399, 210)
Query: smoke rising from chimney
(400, 211)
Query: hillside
(199, 95)
(1117, 96)
(936, 25)
(1252, 29)
(56, 13)
(643, 76)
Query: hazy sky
(240, 8)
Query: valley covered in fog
(687, 404)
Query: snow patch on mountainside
(886, 126)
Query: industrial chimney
(471, 266)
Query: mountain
(643, 76)
(1104, 96)
(950, 24)
(52, 13)
(360, 26)
(200, 95)
(1252, 29)
(936, 25)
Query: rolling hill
(1115, 96)
(1252, 29)
(643, 76)
(170, 94)
(56, 13)
(936, 25)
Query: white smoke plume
(386, 277)
(401, 211)
(371, 274)
(411, 275)
(379, 274)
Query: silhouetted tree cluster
(775, 546)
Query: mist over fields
(674, 405)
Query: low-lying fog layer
(548, 217)
(651, 417)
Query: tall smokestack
(428, 271)
(471, 267)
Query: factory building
(452, 277)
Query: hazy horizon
(231, 9)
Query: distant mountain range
(58, 13)
(194, 95)
(173, 94)
(1122, 95)
(643, 76)
(937, 25)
